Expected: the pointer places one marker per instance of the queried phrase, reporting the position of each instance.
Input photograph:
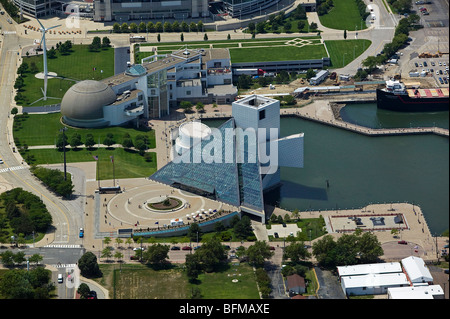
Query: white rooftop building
(366, 269)
(373, 284)
(416, 270)
(420, 292)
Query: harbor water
(344, 170)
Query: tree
(258, 253)
(193, 267)
(228, 36)
(200, 26)
(127, 143)
(51, 54)
(106, 253)
(194, 232)
(150, 27)
(296, 251)
(167, 27)
(321, 249)
(159, 27)
(96, 44)
(159, 37)
(345, 34)
(369, 248)
(75, 140)
(310, 74)
(23, 68)
(184, 27)
(313, 26)
(106, 42)
(193, 27)
(200, 107)
(205, 37)
(251, 27)
(260, 27)
(244, 81)
(156, 254)
(176, 26)
(88, 266)
(83, 290)
(116, 28)
(89, 141)
(243, 228)
(186, 106)
(124, 28)
(142, 27)
(109, 140)
(61, 140)
(182, 37)
(300, 25)
(211, 254)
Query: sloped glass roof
(227, 181)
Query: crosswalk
(13, 168)
(62, 246)
(64, 265)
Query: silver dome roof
(85, 100)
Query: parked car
(416, 64)
(60, 278)
(1, 161)
(272, 248)
(276, 235)
(187, 248)
(134, 258)
(425, 64)
(175, 248)
(81, 234)
(92, 295)
(402, 242)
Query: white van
(60, 278)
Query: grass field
(43, 129)
(128, 163)
(342, 52)
(257, 50)
(78, 65)
(343, 16)
(142, 282)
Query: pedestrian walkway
(13, 168)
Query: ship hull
(403, 103)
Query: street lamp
(64, 150)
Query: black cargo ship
(396, 97)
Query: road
(68, 215)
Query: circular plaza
(143, 206)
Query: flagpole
(98, 174)
(114, 173)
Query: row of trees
(140, 142)
(278, 21)
(54, 180)
(158, 27)
(400, 39)
(98, 43)
(401, 6)
(323, 6)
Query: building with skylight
(236, 162)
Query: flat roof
(374, 280)
(421, 292)
(365, 269)
(255, 101)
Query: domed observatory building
(90, 104)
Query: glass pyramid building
(228, 180)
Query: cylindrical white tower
(189, 134)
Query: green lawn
(141, 282)
(128, 164)
(277, 53)
(219, 285)
(76, 66)
(43, 129)
(343, 16)
(342, 52)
